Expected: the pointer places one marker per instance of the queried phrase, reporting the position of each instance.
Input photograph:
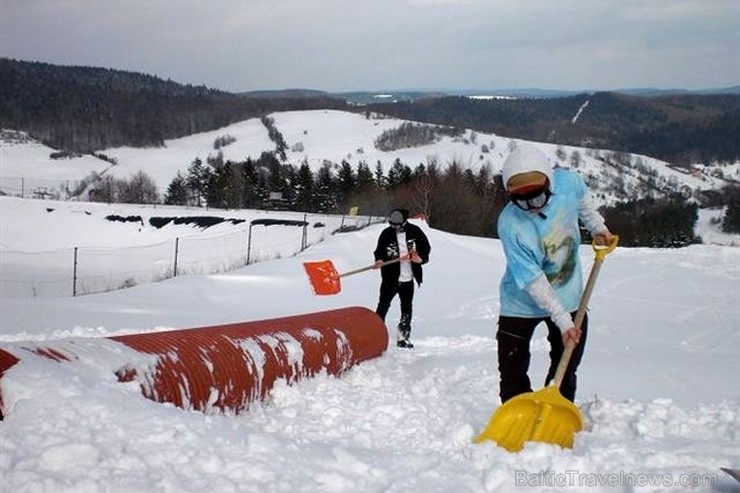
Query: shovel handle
(372, 266)
(600, 253)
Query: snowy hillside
(658, 384)
(325, 135)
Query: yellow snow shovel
(545, 415)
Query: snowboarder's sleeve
(546, 298)
(423, 247)
(379, 252)
(589, 215)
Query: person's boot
(404, 333)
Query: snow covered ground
(658, 384)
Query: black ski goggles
(532, 200)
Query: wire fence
(40, 188)
(84, 270)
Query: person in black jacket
(408, 242)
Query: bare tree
(139, 189)
(423, 185)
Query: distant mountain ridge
(365, 97)
(85, 109)
(285, 93)
(681, 129)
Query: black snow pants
(405, 291)
(514, 335)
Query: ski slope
(658, 384)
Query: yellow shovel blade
(543, 416)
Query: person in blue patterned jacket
(539, 231)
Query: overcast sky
(345, 45)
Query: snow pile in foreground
(403, 422)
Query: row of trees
(410, 134)
(653, 222)
(451, 196)
(138, 189)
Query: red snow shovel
(545, 416)
(325, 279)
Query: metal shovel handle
(600, 254)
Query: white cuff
(592, 220)
(546, 298)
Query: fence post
(249, 242)
(177, 249)
(74, 275)
(304, 236)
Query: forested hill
(85, 109)
(677, 128)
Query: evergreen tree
(399, 174)
(235, 183)
(380, 178)
(275, 179)
(177, 191)
(346, 183)
(217, 188)
(250, 176)
(731, 220)
(197, 181)
(324, 190)
(261, 188)
(365, 180)
(304, 189)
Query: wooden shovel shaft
(372, 266)
(581, 314)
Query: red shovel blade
(323, 276)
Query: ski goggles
(532, 199)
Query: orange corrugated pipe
(226, 367)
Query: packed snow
(658, 384)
